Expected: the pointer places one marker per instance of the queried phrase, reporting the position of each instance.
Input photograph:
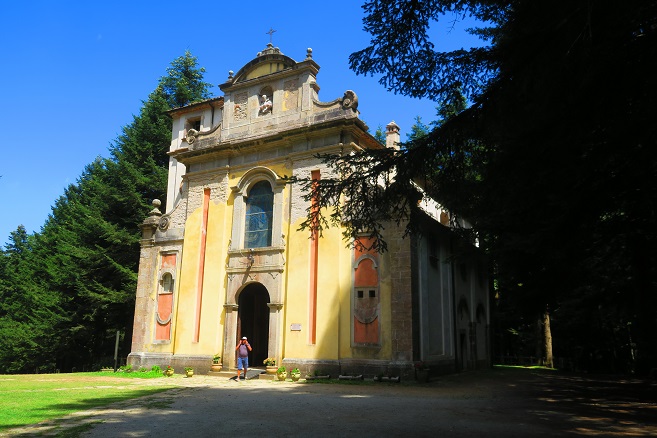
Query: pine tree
(89, 247)
(28, 313)
(418, 130)
(380, 135)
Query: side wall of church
(435, 303)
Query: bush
(156, 369)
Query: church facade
(226, 259)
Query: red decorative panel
(366, 242)
(164, 306)
(168, 261)
(366, 295)
(366, 333)
(366, 274)
(165, 298)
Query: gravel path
(495, 403)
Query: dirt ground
(501, 402)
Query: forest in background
(66, 290)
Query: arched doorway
(253, 321)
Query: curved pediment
(269, 61)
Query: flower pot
(216, 367)
(271, 369)
(281, 376)
(295, 377)
(189, 373)
(168, 373)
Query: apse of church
(225, 259)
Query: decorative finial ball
(156, 203)
(230, 73)
(309, 52)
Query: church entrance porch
(253, 321)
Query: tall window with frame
(259, 213)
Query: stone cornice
(233, 147)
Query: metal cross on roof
(271, 34)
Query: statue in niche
(265, 105)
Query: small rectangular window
(360, 294)
(372, 293)
(194, 123)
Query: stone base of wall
(200, 363)
(441, 368)
(345, 367)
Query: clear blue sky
(75, 72)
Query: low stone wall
(201, 364)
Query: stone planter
(215, 367)
(168, 373)
(189, 373)
(281, 376)
(295, 377)
(271, 369)
(319, 377)
(392, 379)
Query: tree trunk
(547, 339)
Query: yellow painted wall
(332, 283)
(334, 296)
(264, 69)
(212, 312)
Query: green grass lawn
(31, 398)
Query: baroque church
(226, 258)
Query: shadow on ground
(501, 402)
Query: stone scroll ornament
(349, 100)
(191, 136)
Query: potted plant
(295, 374)
(168, 371)
(270, 363)
(281, 373)
(189, 371)
(216, 363)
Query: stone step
(253, 373)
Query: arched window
(167, 283)
(259, 212)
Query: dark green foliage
(27, 312)
(183, 83)
(87, 252)
(380, 135)
(418, 130)
(554, 163)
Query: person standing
(243, 349)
